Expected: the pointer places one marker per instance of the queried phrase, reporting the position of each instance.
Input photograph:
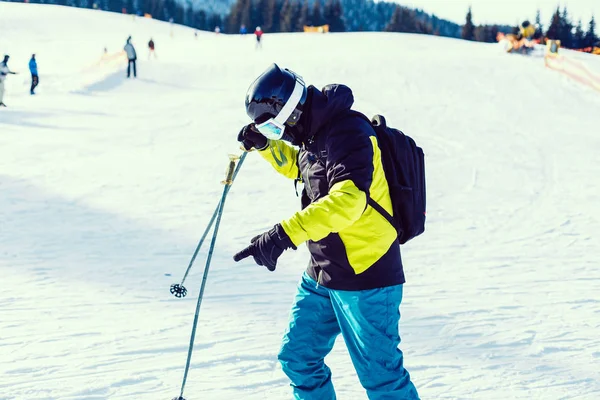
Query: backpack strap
(381, 211)
(378, 122)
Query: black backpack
(404, 165)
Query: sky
(508, 12)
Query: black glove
(267, 248)
(250, 138)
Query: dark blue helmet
(270, 92)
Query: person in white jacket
(131, 56)
(4, 71)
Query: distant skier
(526, 30)
(354, 281)
(151, 49)
(131, 57)
(33, 68)
(258, 33)
(243, 30)
(4, 72)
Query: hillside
(108, 183)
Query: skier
(354, 281)
(4, 72)
(131, 57)
(258, 33)
(526, 30)
(35, 79)
(243, 30)
(151, 49)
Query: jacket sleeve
(283, 157)
(349, 175)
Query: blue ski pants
(368, 321)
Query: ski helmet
(271, 91)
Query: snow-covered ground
(106, 184)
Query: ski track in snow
(108, 183)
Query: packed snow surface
(107, 184)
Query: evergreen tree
(297, 24)
(565, 31)
(303, 18)
(245, 15)
(395, 24)
(590, 37)
(239, 15)
(468, 31)
(579, 36)
(233, 19)
(328, 12)
(316, 15)
(199, 20)
(403, 20)
(153, 7)
(114, 5)
(271, 16)
(539, 31)
(188, 14)
(285, 16)
(129, 8)
(337, 22)
(332, 14)
(486, 33)
(169, 10)
(257, 17)
(216, 20)
(180, 12)
(554, 28)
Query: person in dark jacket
(131, 57)
(151, 49)
(33, 68)
(353, 284)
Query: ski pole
(227, 182)
(177, 289)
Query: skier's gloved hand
(250, 138)
(267, 248)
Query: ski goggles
(289, 115)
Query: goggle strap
(290, 105)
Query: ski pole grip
(230, 170)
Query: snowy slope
(106, 185)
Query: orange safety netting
(574, 69)
(317, 29)
(591, 50)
